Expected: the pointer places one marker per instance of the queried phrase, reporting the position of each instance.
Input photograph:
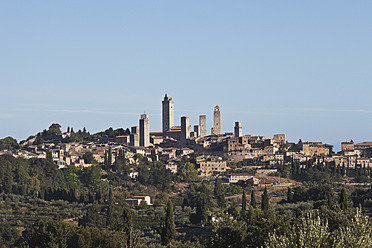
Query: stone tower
(216, 121)
(167, 114)
(203, 125)
(134, 136)
(238, 129)
(185, 129)
(144, 132)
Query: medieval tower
(216, 121)
(144, 131)
(167, 114)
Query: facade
(134, 129)
(347, 146)
(238, 132)
(144, 135)
(210, 164)
(167, 114)
(315, 148)
(236, 177)
(134, 139)
(136, 200)
(279, 139)
(216, 130)
(197, 130)
(203, 125)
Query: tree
(55, 128)
(186, 172)
(89, 159)
(289, 195)
(244, 202)
(125, 227)
(343, 199)
(219, 194)
(357, 234)
(8, 143)
(253, 199)
(51, 233)
(167, 231)
(265, 201)
(330, 201)
(309, 232)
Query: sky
(303, 68)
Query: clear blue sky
(303, 68)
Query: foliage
(265, 201)
(186, 172)
(155, 174)
(167, 230)
(313, 231)
(9, 144)
(219, 194)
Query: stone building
(238, 132)
(210, 164)
(216, 129)
(185, 129)
(144, 131)
(134, 136)
(203, 125)
(167, 114)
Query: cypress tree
(253, 199)
(330, 201)
(289, 195)
(105, 161)
(343, 199)
(167, 231)
(110, 215)
(109, 159)
(244, 202)
(126, 226)
(219, 194)
(265, 201)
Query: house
(135, 201)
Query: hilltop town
(132, 185)
(216, 149)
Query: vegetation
(44, 206)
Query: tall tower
(134, 136)
(238, 129)
(216, 121)
(203, 125)
(167, 114)
(144, 134)
(185, 129)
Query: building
(238, 132)
(167, 114)
(315, 148)
(236, 177)
(279, 139)
(196, 130)
(210, 164)
(135, 201)
(134, 136)
(203, 125)
(216, 129)
(144, 128)
(347, 146)
(185, 129)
